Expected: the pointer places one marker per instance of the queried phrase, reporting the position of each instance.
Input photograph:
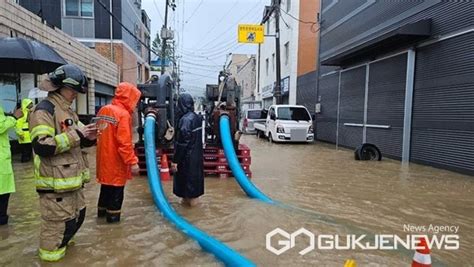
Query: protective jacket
(115, 153)
(60, 164)
(189, 180)
(7, 183)
(22, 129)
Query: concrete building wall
(412, 97)
(18, 22)
(308, 36)
(127, 61)
(297, 49)
(243, 69)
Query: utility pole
(277, 93)
(164, 38)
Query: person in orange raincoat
(116, 159)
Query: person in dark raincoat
(188, 158)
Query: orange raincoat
(115, 153)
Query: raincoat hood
(25, 103)
(185, 104)
(127, 95)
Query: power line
(125, 28)
(197, 64)
(297, 19)
(219, 21)
(200, 75)
(284, 21)
(158, 10)
(194, 12)
(233, 25)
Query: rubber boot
(4, 220)
(101, 212)
(113, 217)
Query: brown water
(345, 197)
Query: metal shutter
(443, 111)
(306, 90)
(326, 121)
(386, 102)
(352, 106)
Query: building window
(273, 61)
(288, 5)
(268, 26)
(267, 65)
(287, 53)
(79, 8)
(9, 84)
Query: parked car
(250, 117)
(287, 123)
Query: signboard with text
(251, 33)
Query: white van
(287, 123)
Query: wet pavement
(342, 197)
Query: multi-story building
(242, 67)
(89, 22)
(298, 54)
(399, 74)
(16, 21)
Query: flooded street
(345, 197)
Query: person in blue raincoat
(188, 157)
(7, 182)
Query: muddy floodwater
(341, 196)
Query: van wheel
(258, 135)
(270, 138)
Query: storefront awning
(403, 36)
(104, 89)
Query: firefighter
(116, 159)
(7, 182)
(22, 130)
(61, 167)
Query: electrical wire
(125, 28)
(158, 10)
(218, 22)
(194, 12)
(295, 18)
(284, 21)
(233, 25)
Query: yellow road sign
(251, 33)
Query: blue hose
(224, 253)
(226, 138)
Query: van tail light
(246, 123)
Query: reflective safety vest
(22, 130)
(60, 164)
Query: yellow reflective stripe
(54, 255)
(62, 143)
(86, 176)
(37, 162)
(42, 130)
(80, 124)
(59, 184)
